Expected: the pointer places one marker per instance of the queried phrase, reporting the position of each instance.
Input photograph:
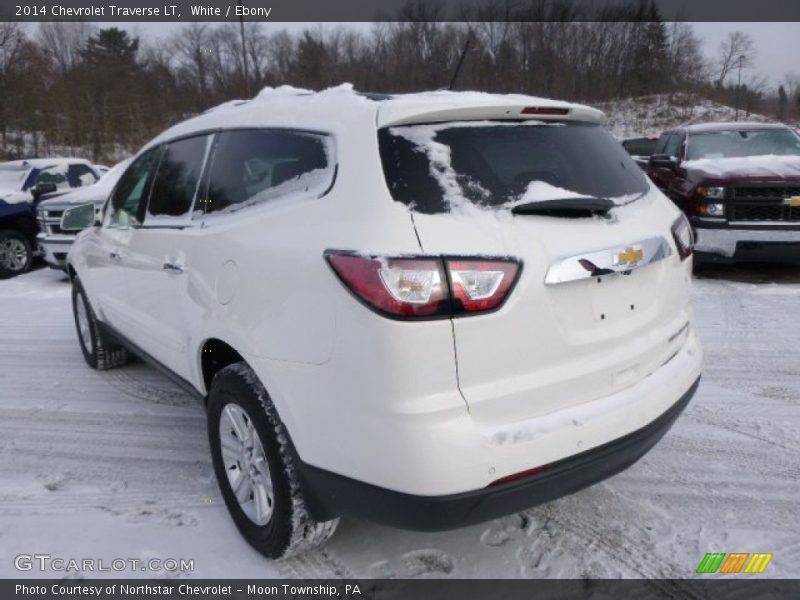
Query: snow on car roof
(38, 163)
(93, 192)
(735, 126)
(330, 109)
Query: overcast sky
(776, 43)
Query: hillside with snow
(631, 117)
(650, 115)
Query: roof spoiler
(405, 113)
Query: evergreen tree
(783, 102)
(108, 76)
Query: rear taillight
(425, 287)
(684, 237)
(480, 285)
(405, 287)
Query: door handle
(172, 267)
(115, 256)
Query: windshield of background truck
(736, 144)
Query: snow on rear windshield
(437, 168)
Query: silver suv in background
(53, 239)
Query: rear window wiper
(581, 206)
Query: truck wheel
(254, 467)
(99, 352)
(16, 253)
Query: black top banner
(393, 10)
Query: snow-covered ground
(650, 115)
(116, 464)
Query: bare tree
(192, 50)
(11, 38)
(281, 48)
(754, 87)
(737, 50)
(62, 42)
(687, 62)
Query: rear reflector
(520, 475)
(544, 110)
(425, 287)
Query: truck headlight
(711, 209)
(711, 192)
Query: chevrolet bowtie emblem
(630, 257)
(793, 201)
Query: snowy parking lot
(116, 464)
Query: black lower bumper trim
(764, 252)
(330, 495)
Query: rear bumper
(748, 243)
(330, 495)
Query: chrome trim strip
(781, 223)
(617, 259)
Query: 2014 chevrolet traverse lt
(427, 310)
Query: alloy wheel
(246, 464)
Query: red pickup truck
(739, 184)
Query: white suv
(425, 310)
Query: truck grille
(50, 221)
(764, 203)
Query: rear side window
(673, 147)
(130, 195)
(80, 175)
(258, 165)
(661, 144)
(436, 168)
(57, 175)
(176, 180)
(639, 146)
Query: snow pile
(539, 191)
(288, 94)
(771, 165)
(313, 182)
(650, 115)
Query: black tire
(16, 254)
(99, 352)
(290, 529)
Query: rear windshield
(736, 144)
(434, 168)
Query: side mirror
(78, 218)
(663, 161)
(43, 188)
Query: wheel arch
(21, 224)
(216, 354)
